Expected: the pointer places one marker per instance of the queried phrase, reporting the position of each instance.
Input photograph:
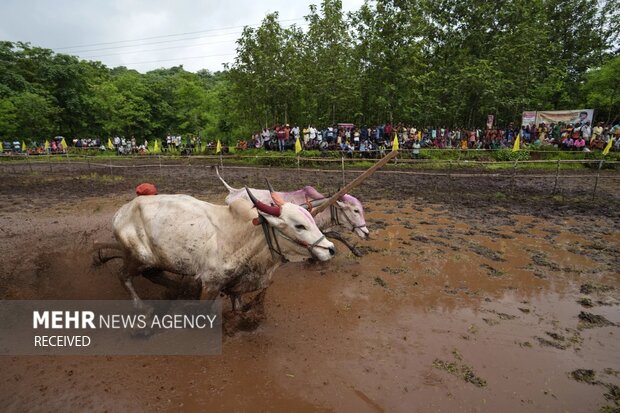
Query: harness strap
(336, 220)
(271, 238)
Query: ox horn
(356, 182)
(277, 199)
(267, 209)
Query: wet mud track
(469, 298)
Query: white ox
(348, 211)
(221, 246)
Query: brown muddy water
(452, 308)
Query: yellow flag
(110, 146)
(608, 147)
(297, 145)
(156, 148)
(395, 142)
(47, 145)
(517, 144)
(24, 147)
(218, 148)
(63, 143)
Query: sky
(145, 35)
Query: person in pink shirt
(579, 143)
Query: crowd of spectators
(350, 138)
(366, 141)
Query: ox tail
(230, 188)
(100, 258)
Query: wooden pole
(161, 175)
(357, 181)
(557, 177)
(343, 178)
(514, 172)
(598, 174)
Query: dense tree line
(422, 62)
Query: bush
(509, 155)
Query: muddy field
(471, 296)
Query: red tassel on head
(146, 189)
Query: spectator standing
(597, 131)
(416, 149)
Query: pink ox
(348, 211)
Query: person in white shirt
(312, 133)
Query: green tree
(602, 90)
(35, 115)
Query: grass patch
(460, 370)
(589, 320)
(93, 176)
(380, 282)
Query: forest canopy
(419, 62)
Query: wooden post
(357, 181)
(343, 178)
(557, 177)
(160, 171)
(598, 174)
(450, 177)
(514, 172)
(298, 169)
(110, 163)
(29, 164)
(49, 160)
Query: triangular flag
(24, 147)
(297, 145)
(156, 148)
(110, 146)
(608, 147)
(395, 142)
(63, 143)
(47, 145)
(218, 148)
(517, 144)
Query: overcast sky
(197, 34)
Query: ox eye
(357, 211)
(300, 227)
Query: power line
(168, 35)
(179, 58)
(158, 49)
(149, 44)
(155, 50)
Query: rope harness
(274, 246)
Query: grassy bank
(428, 159)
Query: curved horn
(357, 181)
(267, 209)
(276, 197)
